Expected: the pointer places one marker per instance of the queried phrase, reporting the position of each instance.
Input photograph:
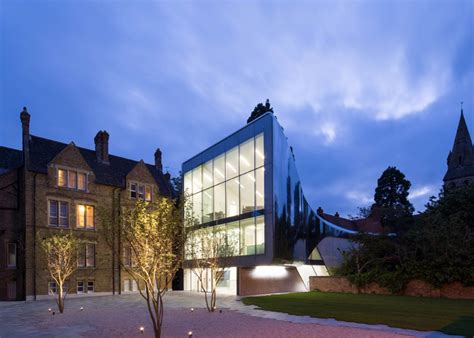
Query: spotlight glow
(261, 272)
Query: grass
(425, 314)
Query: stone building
(48, 186)
(460, 159)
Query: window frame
(58, 216)
(138, 190)
(85, 216)
(83, 255)
(77, 173)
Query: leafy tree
(259, 110)
(61, 257)
(209, 252)
(391, 200)
(155, 234)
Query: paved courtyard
(121, 316)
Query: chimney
(101, 141)
(158, 163)
(336, 214)
(320, 211)
(25, 127)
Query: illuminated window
(259, 189)
(260, 235)
(58, 213)
(247, 192)
(207, 175)
(11, 255)
(259, 151)
(219, 201)
(247, 236)
(197, 208)
(72, 176)
(219, 169)
(141, 191)
(207, 205)
(148, 194)
(232, 163)
(233, 236)
(81, 181)
(246, 156)
(232, 197)
(188, 183)
(62, 178)
(85, 216)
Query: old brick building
(48, 186)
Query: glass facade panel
(219, 201)
(197, 179)
(232, 197)
(247, 192)
(247, 236)
(259, 151)
(233, 236)
(219, 169)
(260, 235)
(188, 184)
(208, 205)
(207, 175)
(232, 163)
(259, 188)
(197, 208)
(247, 156)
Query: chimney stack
(25, 127)
(158, 163)
(101, 141)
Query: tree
(391, 200)
(154, 232)
(61, 256)
(210, 253)
(259, 110)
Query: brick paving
(121, 316)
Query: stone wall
(414, 288)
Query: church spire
(461, 157)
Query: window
(141, 191)
(233, 236)
(85, 216)
(207, 205)
(188, 188)
(207, 175)
(86, 256)
(81, 181)
(232, 197)
(247, 236)
(247, 156)
(53, 288)
(80, 287)
(197, 179)
(219, 169)
(197, 208)
(259, 189)
(72, 179)
(259, 153)
(133, 190)
(232, 163)
(260, 235)
(127, 285)
(11, 255)
(90, 286)
(148, 193)
(219, 201)
(247, 192)
(62, 178)
(58, 213)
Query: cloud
(423, 191)
(360, 197)
(327, 131)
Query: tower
(460, 159)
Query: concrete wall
(414, 288)
(269, 279)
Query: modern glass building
(247, 186)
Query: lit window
(219, 169)
(188, 183)
(90, 286)
(207, 175)
(197, 208)
(133, 190)
(197, 179)
(219, 201)
(72, 176)
(232, 197)
(259, 189)
(247, 193)
(232, 163)
(259, 151)
(80, 287)
(62, 178)
(207, 205)
(260, 235)
(11, 255)
(246, 156)
(58, 213)
(81, 181)
(148, 193)
(247, 236)
(85, 216)
(141, 192)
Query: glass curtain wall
(229, 185)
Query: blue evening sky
(357, 85)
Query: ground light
(141, 329)
(269, 271)
(82, 308)
(49, 310)
(190, 333)
(192, 309)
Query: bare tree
(60, 251)
(154, 232)
(209, 252)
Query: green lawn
(425, 314)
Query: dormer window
(141, 191)
(72, 179)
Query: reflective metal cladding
(247, 185)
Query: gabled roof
(369, 225)
(10, 159)
(43, 150)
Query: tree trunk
(60, 299)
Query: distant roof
(43, 150)
(10, 159)
(369, 224)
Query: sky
(357, 85)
